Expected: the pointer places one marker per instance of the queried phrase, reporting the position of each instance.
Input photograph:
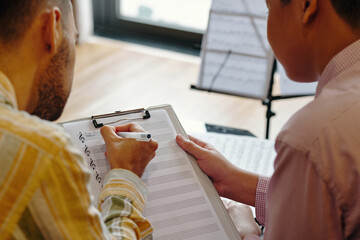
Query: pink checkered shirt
(314, 192)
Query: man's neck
(16, 65)
(330, 39)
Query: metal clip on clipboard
(145, 112)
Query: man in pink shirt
(314, 192)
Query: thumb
(190, 147)
(108, 133)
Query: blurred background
(139, 53)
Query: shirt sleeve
(260, 199)
(260, 204)
(122, 201)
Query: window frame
(107, 23)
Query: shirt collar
(342, 61)
(7, 92)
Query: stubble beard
(52, 96)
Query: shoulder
(327, 132)
(334, 113)
(33, 131)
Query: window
(189, 15)
(172, 24)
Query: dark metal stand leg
(269, 115)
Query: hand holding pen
(130, 155)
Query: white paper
(236, 56)
(242, 74)
(240, 34)
(255, 7)
(177, 205)
(248, 153)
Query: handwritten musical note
(87, 151)
(92, 164)
(98, 178)
(81, 137)
(92, 152)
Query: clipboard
(146, 115)
(175, 181)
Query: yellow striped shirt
(44, 184)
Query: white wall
(84, 19)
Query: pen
(139, 136)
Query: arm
(231, 182)
(237, 212)
(123, 196)
(62, 207)
(122, 202)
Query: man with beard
(314, 192)
(44, 181)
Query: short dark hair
(348, 10)
(16, 17)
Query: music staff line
(194, 232)
(159, 137)
(97, 162)
(174, 191)
(168, 178)
(173, 206)
(175, 221)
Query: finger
(198, 141)
(190, 147)
(154, 145)
(108, 133)
(151, 145)
(130, 127)
(123, 128)
(135, 127)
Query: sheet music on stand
(236, 56)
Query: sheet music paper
(177, 205)
(248, 153)
(237, 29)
(240, 6)
(238, 34)
(241, 72)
